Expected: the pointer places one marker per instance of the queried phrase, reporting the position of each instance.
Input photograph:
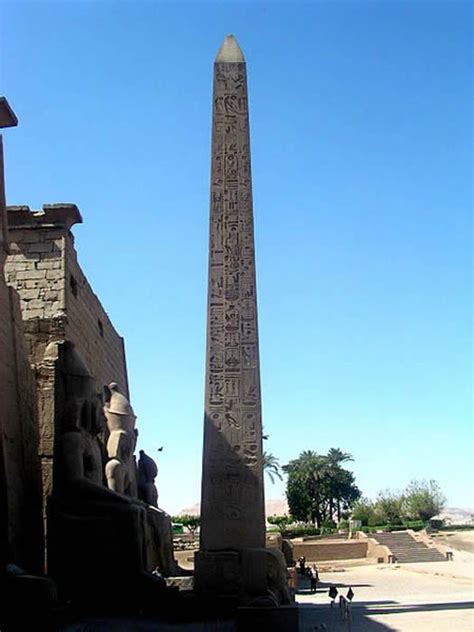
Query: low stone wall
(320, 551)
(378, 551)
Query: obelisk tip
(230, 52)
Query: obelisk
(232, 501)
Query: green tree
(423, 499)
(363, 510)
(281, 521)
(302, 490)
(271, 466)
(346, 493)
(388, 508)
(318, 488)
(343, 491)
(190, 521)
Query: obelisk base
(249, 577)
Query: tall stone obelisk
(232, 502)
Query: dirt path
(459, 540)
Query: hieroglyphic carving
(232, 473)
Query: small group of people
(311, 572)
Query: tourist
(292, 582)
(302, 563)
(313, 577)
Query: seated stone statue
(121, 477)
(97, 538)
(162, 545)
(120, 469)
(147, 472)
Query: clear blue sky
(361, 148)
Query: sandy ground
(458, 540)
(427, 597)
(435, 597)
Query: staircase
(406, 549)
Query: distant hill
(279, 507)
(457, 515)
(273, 507)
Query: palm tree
(337, 475)
(271, 466)
(337, 456)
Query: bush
(281, 521)
(363, 510)
(299, 532)
(376, 521)
(192, 522)
(414, 525)
(374, 529)
(417, 525)
(458, 527)
(328, 524)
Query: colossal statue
(102, 544)
(120, 469)
(147, 472)
(121, 475)
(161, 521)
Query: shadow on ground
(319, 617)
(377, 607)
(315, 617)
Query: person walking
(292, 582)
(314, 578)
(302, 563)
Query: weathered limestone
(57, 305)
(147, 472)
(101, 543)
(120, 469)
(21, 534)
(121, 475)
(232, 561)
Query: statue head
(116, 402)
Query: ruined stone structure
(21, 525)
(58, 305)
(100, 538)
(232, 561)
(21, 539)
(44, 269)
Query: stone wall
(21, 533)
(57, 305)
(35, 266)
(332, 550)
(57, 301)
(375, 550)
(89, 326)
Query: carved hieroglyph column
(232, 506)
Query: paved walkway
(434, 597)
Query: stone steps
(406, 549)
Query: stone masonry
(58, 305)
(57, 301)
(21, 532)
